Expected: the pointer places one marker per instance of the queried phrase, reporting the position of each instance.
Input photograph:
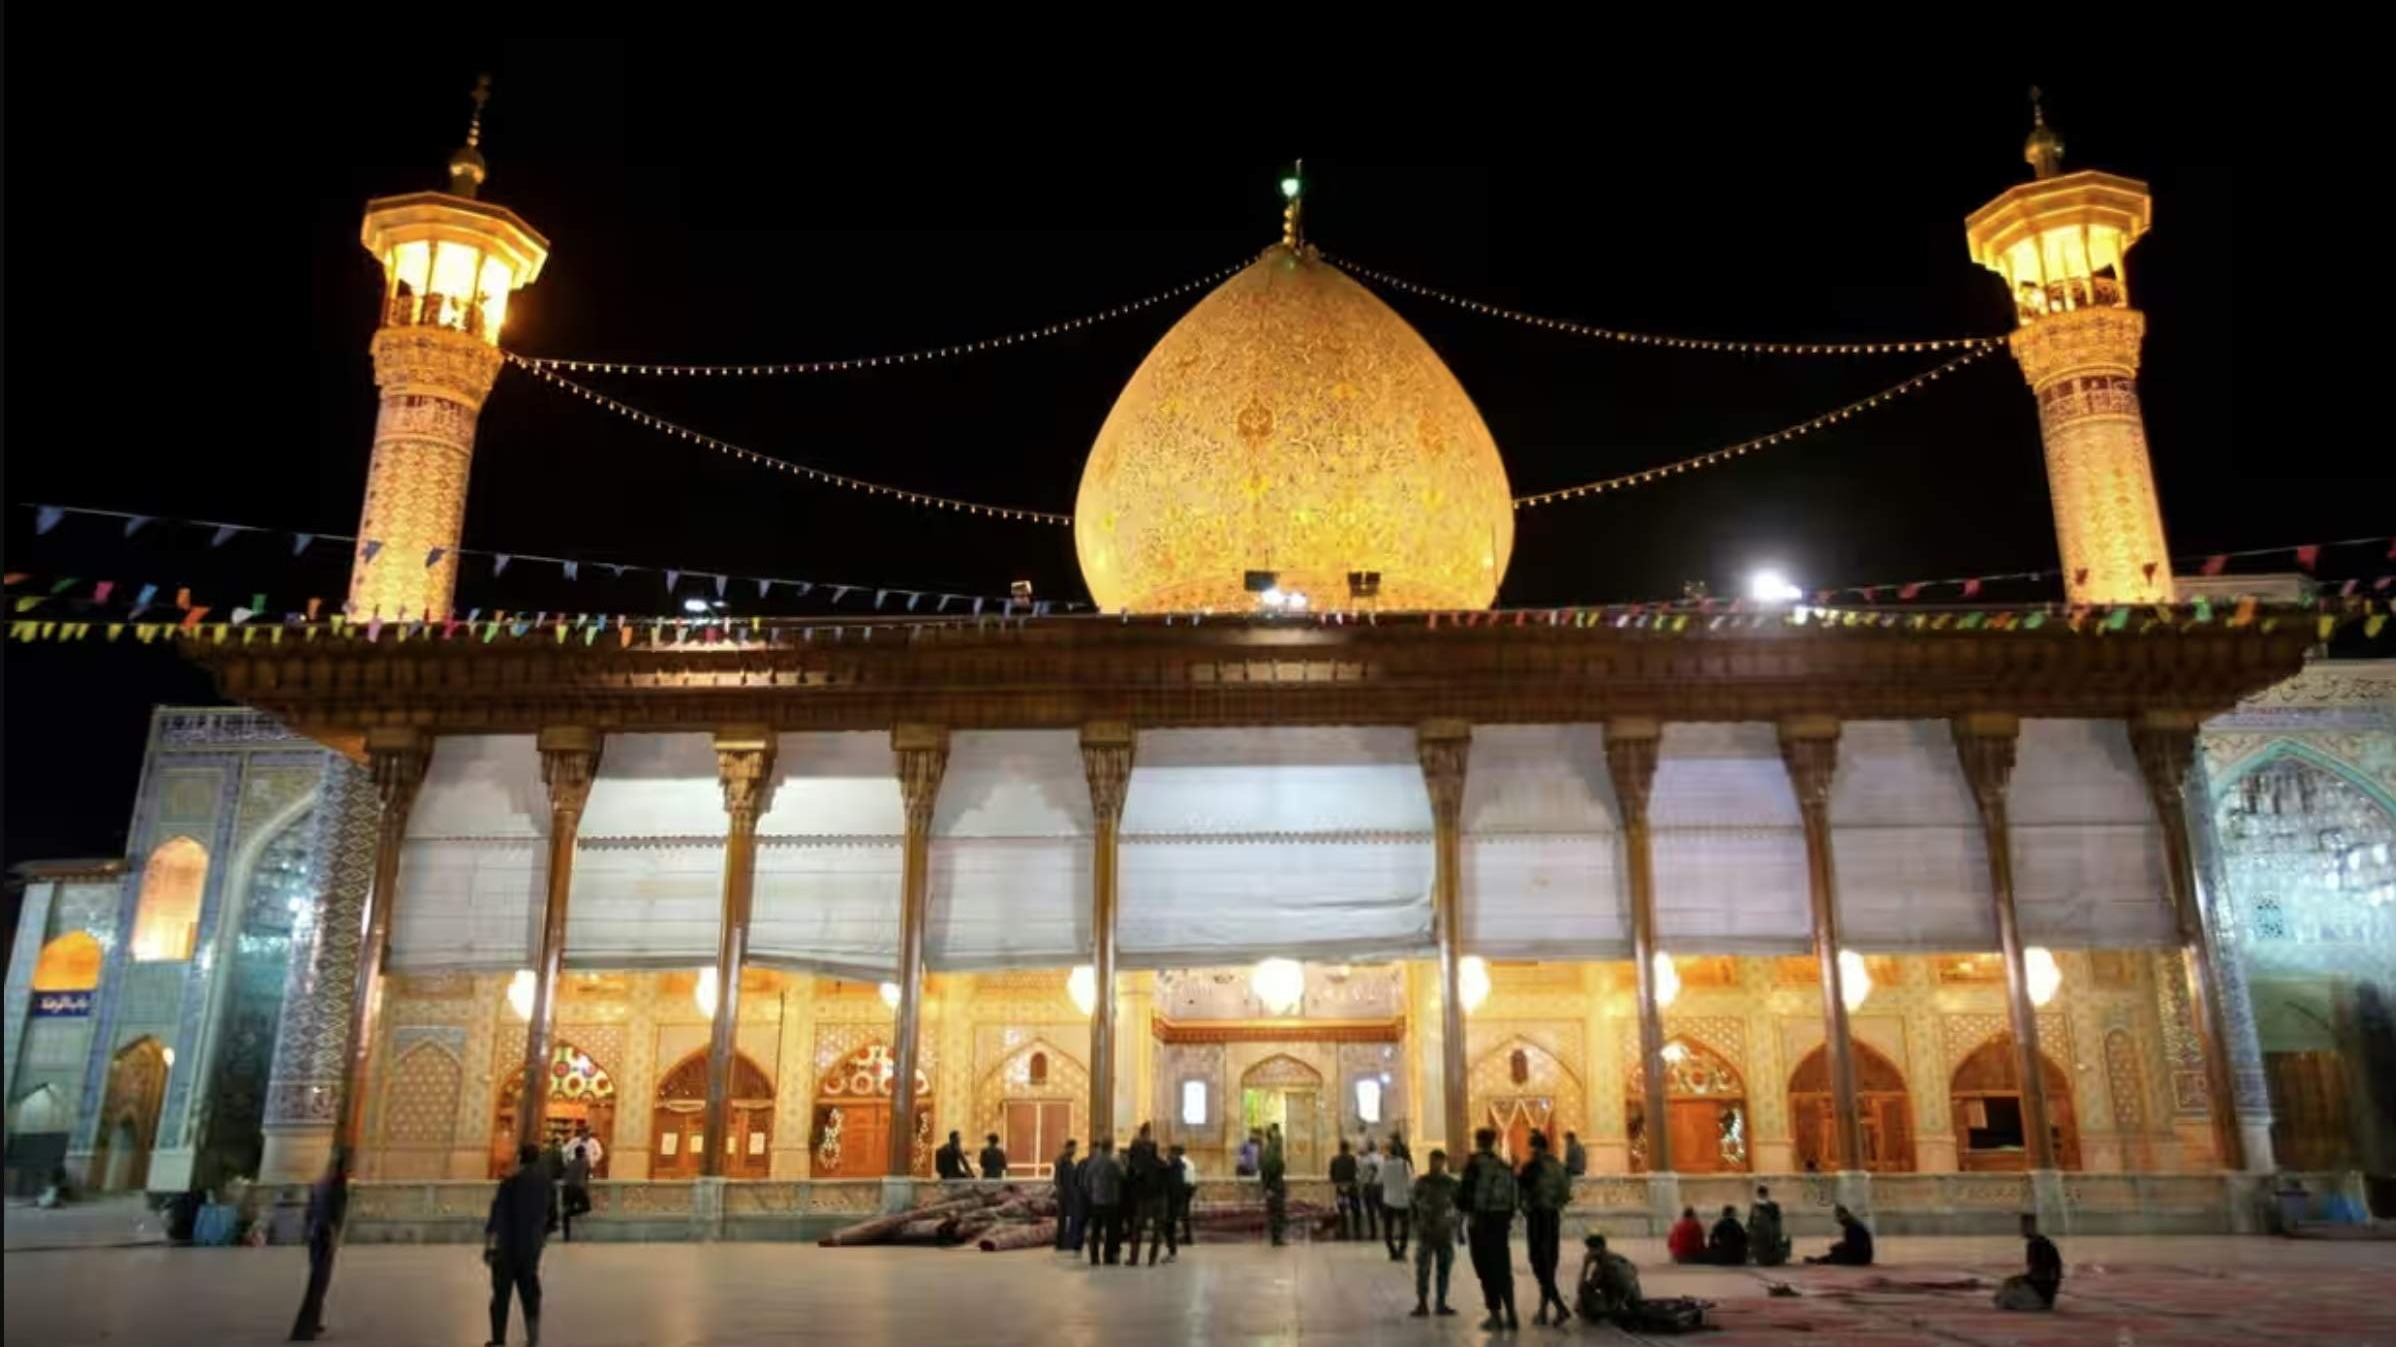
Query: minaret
(449, 262)
(2059, 242)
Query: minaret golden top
(1293, 224)
(466, 167)
(2043, 151)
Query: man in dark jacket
(994, 1158)
(1546, 1191)
(1071, 1210)
(1854, 1248)
(1727, 1244)
(1272, 1172)
(1576, 1156)
(1145, 1198)
(1343, 1187)
(328, 1207)
(949, 1161)
(1102, 1191)
(1488, 1195)
(512, 1239)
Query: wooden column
(1107, 751)
(569, 759)
(1984, 741)
(1444, 746)
(922, 758)
(397, 759)
(2165, 743)
(1810, 747)
(1631, 747)
(744, 764)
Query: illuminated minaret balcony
(2061, 242)
(450, 262)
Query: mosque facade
(1943, 923)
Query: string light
(731, 450)
(1716, 457)
(1030, 334)
(1668, 342)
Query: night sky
(220, 371)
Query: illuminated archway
(850, 1137)
(1881, 1100)
(1987, 1098)
(70, 963)
(129, 1116)
(1034, 1098)
(678, 1129)
(1519, 1087)
(580, 1091)
(1706, 1112)
(1285, 1091)
(166, 921)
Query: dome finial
(1293, 188)
(2044, 149)
(466, 167)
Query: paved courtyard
(2152, 1293)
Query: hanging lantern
(890, 994)
(519, 993)
(1667, 980)
(1279, 983)
(1472, 982)
(1855, 980)
(1082, 985)
(2043, 973)
(703, 993)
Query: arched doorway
(1037, 1094)
(580, 1091)
(1885, 1110)
(1987, 1099)
(1283, 1090)
(680, 1125)
(851, 1135)
(129, 1116)
(1520, 1088)
(1706, 1112)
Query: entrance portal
(129, 1116)
(1987, 1096)
(580, 1091)
(1880, 1097)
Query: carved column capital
(569, 763)
(397, 758)
(922, 759)
(744, 766)
(1444, 747)
(1810, 747)
(1632, 748)
(2165, 742)
(1984, 744)
(1108, 748)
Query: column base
(898, 1195)
(1663, 1202)
(295, 1152)
(2254, 1138)
(707, 1209)
(1852, 1189)
(2049, 1202)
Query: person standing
(328, 1209)
(1344, 1191)
(1102, 1192)
(1181, 1188)
(2037, 1287)
(1145, 1197)
(1576, 1156)
(512, 1240)
(1397, 1193)
(577, 1190)
(1546, 1191)
(1369, 1187)
(1251, 1155)
(1431, 1202)
(592, 1151)
(1273, 1171)
(1070, 1208)
(1490, 1195)
(994, 1158)
(949, 1161)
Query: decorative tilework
(313, 1037)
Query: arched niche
(129, 1116)
(678, 1129)
(1034, 1098)
(69, 963)
(166, 920)
(1705, 1100)
(580, 1091)
(1518, 1088)
(1883, 1105)
(1283, 1091)
(1986, 1095)
(850, 1138)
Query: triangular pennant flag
(241, 615)
(2203, 610)
(2034, 621)
(840, 592)
(300, 541)
(881, 595)
(115, 629)
(258, 602)
(1971, 589)
(374, 629)
(62, 586)
(2215, 564)
(763, 586)
(374, 548)
(46, 518)
(148, 592)
(720, 582)
(673, 580)
(2308, 554)
(102, 590)
(133, 523)
(192, 618)
(977, 608)
(573, 569)
(183, 597)
(2374, 624)
(802, 588)
(223, 532)
(912, 600)
(26, 603)
(2245, 613)
(1871, 593)
(499, 561)
(1906, 592)
(946, 597)
(2324, 626)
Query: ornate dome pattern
(1292, 422)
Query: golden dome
(1292, 423)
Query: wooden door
(1034, 1131)
(1697, 1135)
(851, 1140)
(2310, 1110)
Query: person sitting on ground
(1854, 1248)
(1686, 1243)
(1727, 1245)
(2035, 1289)
(1764, 1240)
(1609, 1284)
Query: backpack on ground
(1666, 1315)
